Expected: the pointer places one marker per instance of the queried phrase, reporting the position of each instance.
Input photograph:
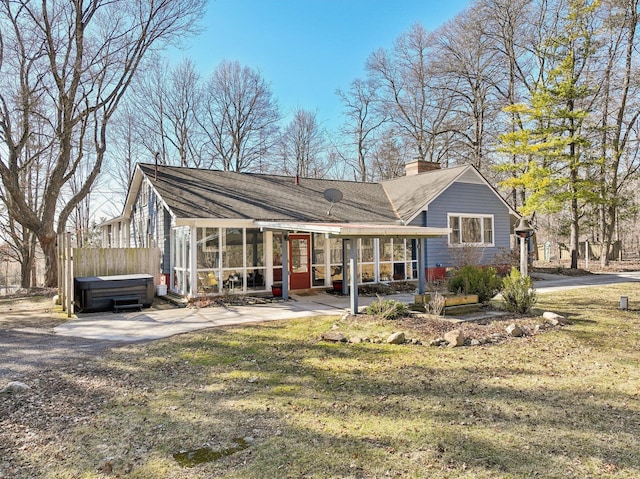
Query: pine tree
(551, 138)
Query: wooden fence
(81, 262)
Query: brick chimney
(418, 165)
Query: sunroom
(244, 256)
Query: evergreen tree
(552, 140)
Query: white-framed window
(470, 230)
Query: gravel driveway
(24, 352)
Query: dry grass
(564, 404)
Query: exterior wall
(471, 199)
(150, 225)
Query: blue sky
(306, 49)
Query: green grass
(564, 404)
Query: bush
(518, 292)
(388, 309)
(476, 280)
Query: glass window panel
(409, 269)
(366, 250)
(232, 248)
(368, 273)
(277, 251)
(398, 272)
(208, 282)
(318, 275)
(471, 232)
(454, 225)
(385, 249)
(398, 250)
(255, 247)
(208, 248)
(255, 279)
(300, 255)
(336, 272)
(488, 230)
(335, 248)
(319, 242)
(385, 272)
(232, 280)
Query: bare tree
(240, 115)
(406, 91)
(70, 64)
(468, 71)
(302, 145)
(364, 118)
(166, 102)
(620, 111)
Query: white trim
(354, 230)
(457, 178)
(480, 216)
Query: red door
(300, 261)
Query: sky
(307, 49)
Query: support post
(345, 263)
(523, 257)
(353, 265)
(586, 253)
(285, 265)
(420, 243)
(69, 274)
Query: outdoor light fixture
(524, 231)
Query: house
(224, 231)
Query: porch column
(353, 264)
(345, 284)
(192, 262)
(421, 264)
(285, 265)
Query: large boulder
(455, 338)
(396, 338)
(14, 387)
(554, 318)
(334, 336)
(514, 330)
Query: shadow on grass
(541, 406)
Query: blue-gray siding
(466, 198)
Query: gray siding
(465, 198)
(151, 219)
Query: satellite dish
(333, 196)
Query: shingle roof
(195, 193)
(410, 194)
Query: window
(471, 229)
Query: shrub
(518, 292)
(475, 280)
(437, 303)
(388, 309)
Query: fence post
(62, 275)
(69, 273)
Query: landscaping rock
(437, 342)
(455, 338)
(14, 387)
(396, 338)
(514, 330)
(554, 319)
(334, 336)
(475, 342)
(356, 340)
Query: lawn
(273, 401)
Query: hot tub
(105, 293)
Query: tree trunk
(48, 245)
